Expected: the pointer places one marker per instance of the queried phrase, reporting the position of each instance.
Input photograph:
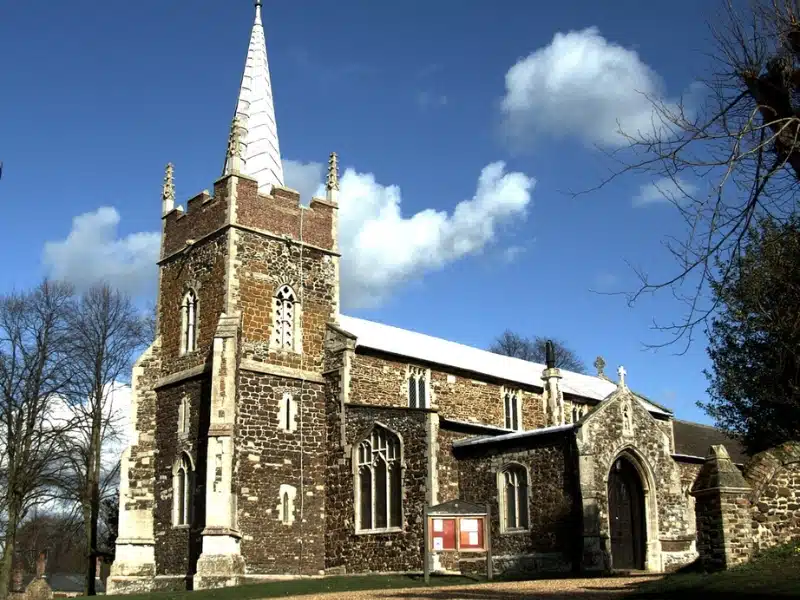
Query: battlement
(279, 213)
(204, 214)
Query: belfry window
(511, 409)
(284, 316)
(182, 485)
(378, 486)
(513, 494)
(189, 322)
(417, 388)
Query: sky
(463, 130)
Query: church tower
(225, 473)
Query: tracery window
(513, 494)
(189, 322)
(378, 485)
(511, 409)
(182, 486)
(417, 387)
(283, 330)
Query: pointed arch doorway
(626, 515)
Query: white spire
(261, 156)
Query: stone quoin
(272, 435)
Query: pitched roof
(694, 439)
(403, 342)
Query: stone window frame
(357, 464)
(287, 494)
(183, 472)
(276, 340)
(516, 396)
(190, 320)
(501, 497)
(184, 416)
(416, 374)
(287, 413)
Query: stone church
(272, 435)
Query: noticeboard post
(457, 526)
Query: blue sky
(96, 97)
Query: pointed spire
(260, 153)
(332, 180)
(168, 190)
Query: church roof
(693, 440)
(403, 342)
(255, 114)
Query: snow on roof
(403, 342)
(511, 436)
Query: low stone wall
(742, 512)
(775, 478)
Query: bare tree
(105, 330)
(33, 374)
(740, 140)
(534, 349)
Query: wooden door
(626, 516)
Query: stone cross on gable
(622, 372)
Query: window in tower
(285, 320)
(189, 322)
(182, 487)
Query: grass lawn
(294, 587)
(774, 573)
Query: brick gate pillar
(722, 509)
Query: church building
(272, 435)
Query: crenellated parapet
(236, 201)
(281, 214)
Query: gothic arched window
(189, 322)
(283, 327)
(182, 486)
(378, 485)
(417, 388)
(513, 495)
(511, 409)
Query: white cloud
(382, 249)
(580, 85)
(306, 178)
(93, 252)
(666, 189)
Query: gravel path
(556, 589)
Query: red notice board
(443, 534)
(470, 533)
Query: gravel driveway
(586, 589)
